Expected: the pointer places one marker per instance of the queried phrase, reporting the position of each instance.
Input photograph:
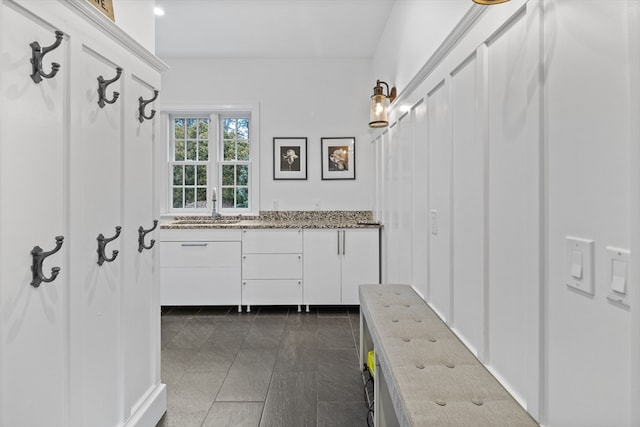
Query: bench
(424, 375)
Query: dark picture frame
(338, 158)
(289, 158)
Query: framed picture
(289, 158)
(338, 158)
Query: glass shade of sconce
(489, 2)
(378, 114)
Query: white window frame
(214, 171)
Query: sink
(206, 221)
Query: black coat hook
(102, 243)
(143, 103)
(38, 53)
(102, 88)
(36, 267)
(142, 232)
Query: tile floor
(273, 367)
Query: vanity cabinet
(272, 267)
(84, 348)
(200, 267)
(336, 262)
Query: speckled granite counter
(279, 219)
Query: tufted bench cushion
(431, 376)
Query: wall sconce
(378, 115)
(489, 2)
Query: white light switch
(619, 279)
(579, 259)
(617, 275)
(434, 222)
(576, 264)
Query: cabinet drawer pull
(193, 244)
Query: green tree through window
(235, 162)
(190, 160)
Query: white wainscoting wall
(517, 133)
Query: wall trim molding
(95, 17)
(466, 23)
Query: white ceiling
(270, 28)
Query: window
(235, 164)
(190, 162)
(212, 150)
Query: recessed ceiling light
(158, 11)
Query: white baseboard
(151, 409)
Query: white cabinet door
(322, 267)
(336, 262)
(33, 162)
(360, 262)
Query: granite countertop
(279, 219)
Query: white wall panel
(513, 209)
(405, 200)
(393, 197)
(588, 97)
(33, 148)
(385, 187)
(439, 136)
(420, 208)
(468, 205)
(98, 178)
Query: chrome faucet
(214, 213)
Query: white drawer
(199, 254)
(200, 286)
(275, 241)
(272, 266)
(271, 292)
(199, 235)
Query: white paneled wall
(590, 192)
(521, 134)
(420, 198)
(472, 192)
(513, 203)
(468, 208)
(439, 167)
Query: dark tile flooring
(273, 367)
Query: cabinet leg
(239, 309)
(248, 308)
(299, 309)
(307, 308)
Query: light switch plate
(434, 222)
(618, 276)
(579, 259)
